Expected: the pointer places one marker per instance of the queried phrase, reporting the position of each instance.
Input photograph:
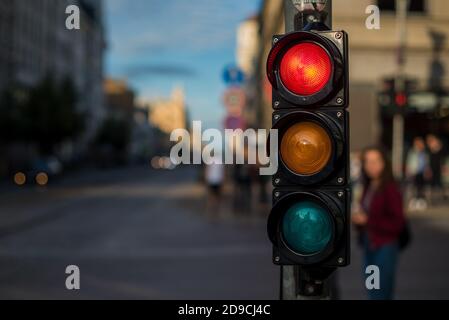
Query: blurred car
(50, 166)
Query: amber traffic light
(306, 148)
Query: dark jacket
(386, 218)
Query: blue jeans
(386, 258)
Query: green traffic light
(307, 228)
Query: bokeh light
(20, 178)
(42, 179)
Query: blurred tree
(9, 117)
(41, 117)
(50, 114)
(13, 125)
(114, 136)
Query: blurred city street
(135, 234)
(187, 149)
(138, 233)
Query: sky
(159, 44)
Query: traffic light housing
(392, 99)
(322, 136)
(309, 69)
(310, 227)
(309, 221)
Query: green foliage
(10, 118)
(45, 115)
(115, 132)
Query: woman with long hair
(380, 219)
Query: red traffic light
(401, 99)
(305, 69)
(309, 69)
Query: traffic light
(393, 99)
(309, 221)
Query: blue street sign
(232, 75)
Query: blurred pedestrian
(380, 220)
(262, 184)
(214, 177)
(243, 178)
(242, 188)
(436, 158)
(417, 169)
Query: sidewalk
(432, 212)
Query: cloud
(169, 70)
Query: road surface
(137, 233)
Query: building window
(415, 6)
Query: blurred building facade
(247, 49)
(373, 56)
(35, 43)
(119, 99)
(169, 114)
(247, 44)
(143, 144)
(121, 105)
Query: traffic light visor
(307, 228)
(306, 148)
(305, 68)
